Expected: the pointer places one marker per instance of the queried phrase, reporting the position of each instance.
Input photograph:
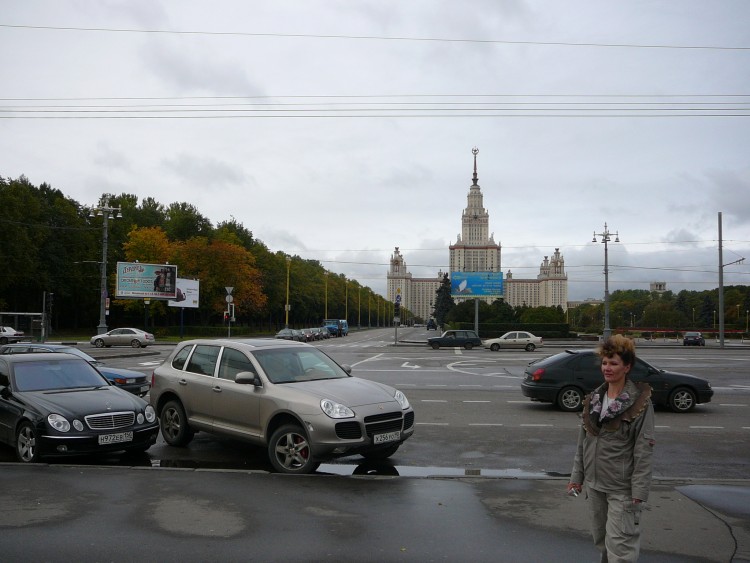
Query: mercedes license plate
(385, 438)
(115, 438)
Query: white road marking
(536, 425)
(476, 401)
(706, 427)
(433, 401)
(484, 424)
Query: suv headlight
(402, 400)
(150, 413)
(335, 410)
(58, 422)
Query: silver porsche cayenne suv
(288, 397)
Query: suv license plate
(385, 438)
(115, 438)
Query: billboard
(476, 284)
(146, 281)
(188, 294)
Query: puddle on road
(410, 471)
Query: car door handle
(182, 382)
(216, 389)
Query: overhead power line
(377, 38)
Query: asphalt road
(497, 464)
(472, 418)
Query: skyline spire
(475, 179)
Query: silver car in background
(288, 397)
(514, 340)
(134, 337)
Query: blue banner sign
(476, 284)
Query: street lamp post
(605, 235)
(346, 300)
(106, 212)
(326, 277)
(286, 307)
(359, 307)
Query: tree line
(51, 244)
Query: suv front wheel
(289, 451)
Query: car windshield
(48, 375)
(292, 365)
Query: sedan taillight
(537, 375)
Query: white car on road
(516, 339)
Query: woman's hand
(574, 489)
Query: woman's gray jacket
(615, 447)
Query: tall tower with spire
(475, 249)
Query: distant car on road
(9, 334)
(566, 378)
(308, 335)
(290, 334)
(321, 333)
(455, 339)
(693, 339)
(518, 340)
(290, 398)
(134, 337)
(431, 324)
(133, 381)
(68, 408)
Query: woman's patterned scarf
(616, 406)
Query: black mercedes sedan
(565, 378)
(60, 405)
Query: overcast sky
(338, 130)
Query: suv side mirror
(248, 378)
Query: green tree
(444, 303)
(184, 222)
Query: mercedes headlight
(58, 422)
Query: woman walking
(613, 457)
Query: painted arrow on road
(410, 366)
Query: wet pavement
(94, 513)
(181, 511)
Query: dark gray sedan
(128, 379)
(567, 377)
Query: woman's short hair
(620, 345)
